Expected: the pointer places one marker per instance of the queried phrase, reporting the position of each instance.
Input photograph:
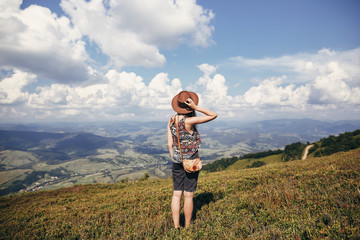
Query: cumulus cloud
(122, 95)
(304, 66)
(324, 78)
(270, 92)
(11, 88)
(131, 32)
(37, 41)
(214, 91)
(326, 82)
(330, 88)
(7, 8)
(36, 44)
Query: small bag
(190, 165)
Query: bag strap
(178, 135)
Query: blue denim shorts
(182, 180)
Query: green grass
(243, 163)
(316, 198)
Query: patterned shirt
(189, 143)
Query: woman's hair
(191, 114)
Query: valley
(41, 156)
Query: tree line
(333, 144)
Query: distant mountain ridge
(113, 129)
(109, 152)
(73, 144)
(304, 126)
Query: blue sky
(76, 60)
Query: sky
(114, 60)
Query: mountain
(35, 160)
(307, 126)
(49, 156)
(316, 198)
(115, 129)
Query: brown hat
(178, 102)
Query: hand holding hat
(190, 103)
(184, 102)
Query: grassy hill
(342, 142)
(248, 162)
(316, 198)
(295, 151)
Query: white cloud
(305, 66)
(131, 32)
(7, 8)
(330, 88)
(11, 88)
(122, 95)
(215, 90)
(36, 44)
(37, 41)
(162, 91)
(271, 92)
(321, 84)
(50, 96)
(325, 78)
(207, 69)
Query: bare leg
(188, 207)
(175, 208)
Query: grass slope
(243, 163)
(307, 199)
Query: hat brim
(182, 108)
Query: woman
(185, 104)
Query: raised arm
(209, 115)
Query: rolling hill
(46, 156)
(295, 151)
(316, 198)
(37, 160)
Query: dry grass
(317, 198)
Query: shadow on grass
(201, 200)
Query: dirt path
(306, 151)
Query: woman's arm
(210, 115)
(170, 141)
